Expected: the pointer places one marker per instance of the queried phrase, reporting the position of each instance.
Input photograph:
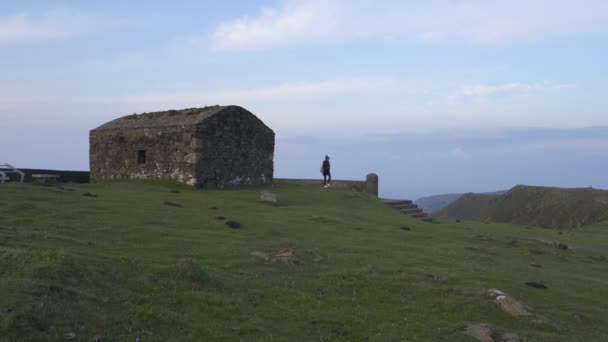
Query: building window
(141, 157)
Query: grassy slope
(107, 266)
(532, 205)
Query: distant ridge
(431, 204)
(546, 207)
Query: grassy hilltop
(329, 265)
(546, 207)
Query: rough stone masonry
(213, 146)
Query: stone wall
(165, 153)
(234, 148)
(369, 186)
(64, 176)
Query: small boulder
(269, 197)
(495, 293)
(508, 304)
(70, 336)
(536, 285)
(173, 204)
(260, 255)
(512, 306)
(89, 194)
(405, 228)
(233, 224)
(536, 265)
(286, 256)
(220, 218)
(8, 228)
(484, 332)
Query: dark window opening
(141, 157)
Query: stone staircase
(408, 207)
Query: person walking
(326, 171)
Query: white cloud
(459, 153)
(56, 24)
(286, 92)
(469, 21)
(515, 87)
(345, 107)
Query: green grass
(124, 265)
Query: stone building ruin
(205, 147)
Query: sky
(434, 96)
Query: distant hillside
(531, 205)
(468, 207)
(431, 204)
(434, 203)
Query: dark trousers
(326, 177)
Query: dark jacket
(325, 168)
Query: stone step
(398, 202)
(411, 211)
(420, 215)
(405, 206)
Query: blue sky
(325, 75)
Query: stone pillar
(371, 184)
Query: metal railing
(7, 168)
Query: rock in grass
(440, 279)
(269, 197)
(260, 255)
(89, 194)
(173, 204)
(286, 256)
(536, 285)
(220, 218)
(233, 224)
(404, 228)
(70, 336)
(536, 265)
(508, 304)
(484, 332)
(213, 208)
(562, 246)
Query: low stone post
(371, 184)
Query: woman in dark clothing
(325, 170)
